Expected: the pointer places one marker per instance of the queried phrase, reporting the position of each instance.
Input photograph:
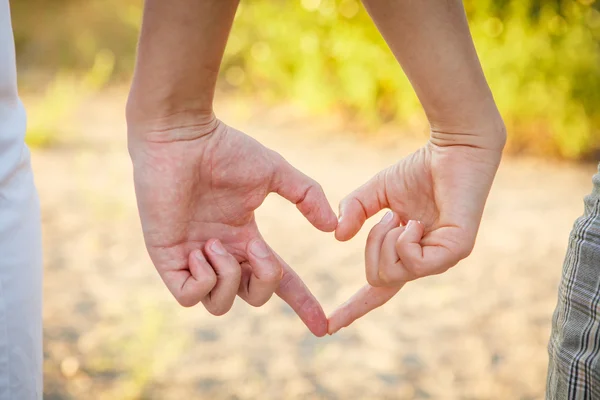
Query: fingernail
(412, 222)
(341, 214)
(218, 248)
(198, 254)
(387, 218)
(259, 249)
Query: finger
(189, 287)
(265, 274)
(408, 248)
(306, 194)
(390, 270)
(365, 300)
(374, 244)
(359, 205)
(443, 249)
(220, 300)
(294, 292)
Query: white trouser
(20, 240)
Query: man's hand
(437, 196)
(198, 183)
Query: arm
(437, 194)
(198, 181)
(431, 41)
(179, 54)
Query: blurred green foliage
(541, 58)
(56, 36)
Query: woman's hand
(436, 196)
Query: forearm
(179, 54)
(432, 42)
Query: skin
(437, 194)
(198, 181)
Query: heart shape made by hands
(198, 187)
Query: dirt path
(113, 332)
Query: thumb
(360, 205)
(306, 194)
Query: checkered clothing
(574, 348)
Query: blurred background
(314, 80)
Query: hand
(197, 185)
(437, 196)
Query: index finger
(306, 194)
(295, 293)
(364, 301)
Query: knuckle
(278, 159)
(374, 281)
(317, 187)
(228, 274)
(445, 265)
(286, 281)
(391, 275)
(209, 282)
(218, 311)
(204, 286)
(463, 252)
(216, 307)
(272, 275)
(186, 300)
(381, 175)
(345, 201)
(415, 269)
(254, 302)
(259, 301)
(384, 276)
(306, 304)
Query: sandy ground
(112, 331)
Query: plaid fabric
(574, 348)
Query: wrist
(167, 122)
(487, 131)
(149, 100)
